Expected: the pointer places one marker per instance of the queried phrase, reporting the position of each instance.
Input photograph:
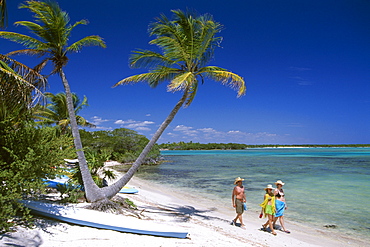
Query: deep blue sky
(306, 64)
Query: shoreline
(207, 222)
(301, 235)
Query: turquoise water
(324, 186)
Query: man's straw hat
(238, 179)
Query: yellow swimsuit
(268, 209)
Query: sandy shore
(208, 225)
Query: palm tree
(187, 44)
(56, 112)
(52, 29)
(20, 89)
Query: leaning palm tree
(56, 112)
(52, 30)
(187, 45)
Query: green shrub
(27, 155)
(122, 145)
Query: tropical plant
(122, 145)
(20, 88)
(187, 45)
(52, 30)
(27, 154)
(56, 112)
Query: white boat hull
(92, 218)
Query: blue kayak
(53, 183)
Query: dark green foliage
(95, 162)
(122, 145)
(130, 203)
(70, 193)
(27, 154)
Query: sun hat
(269, 186)
(279, 182)
(238, 179)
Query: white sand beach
(207, 224)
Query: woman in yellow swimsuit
(268, 208)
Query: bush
(27, 155)
(122, 145)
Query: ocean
(323, 186)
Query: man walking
(238, 198)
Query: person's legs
(237, 218)
(239, 212)
(264, 226)
(281, 220)
(241, 219)
(274, 222)
(271, 219)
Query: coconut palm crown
(53, 30)
(187, 45)
(56, 112)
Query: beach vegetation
(51, 32)
(99, 173)
(28, 154)
(186, 47)
(55, 112)
(130, 203)
(122, 145)
(70, 194)
(20, 89)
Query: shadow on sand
(24, 237)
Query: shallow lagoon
(324, 186)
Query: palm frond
(170, 38)
(153, 78)
(42, 64)
(148, 59)
(93, 40)
(31, 52)
(207, 40)
(226, 78)
(81, 22)
(192, 93)
(43, 115)
(80, 105)
(83, 122)
(32, 26)
(15, 89)
(181, 82)
(56, 112)
(21, 73)
(172, 48)
(22, 39)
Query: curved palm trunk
(113, 189)
(93, 193)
